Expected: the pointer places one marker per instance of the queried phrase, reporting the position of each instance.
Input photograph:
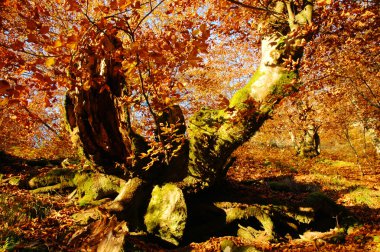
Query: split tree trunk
(103, 126)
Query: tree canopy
(180, 52)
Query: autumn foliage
(177, 52)
(165, 91)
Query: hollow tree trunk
(99, 122)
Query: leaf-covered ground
(260, 173)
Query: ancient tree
(97, 114)
(190, 157)
(122, 64)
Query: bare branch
(34, 116)
(252, 7)
(146, 15)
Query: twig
(33, 115)
(252, 7)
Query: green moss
(253, 235)
(14, 181)
(337, 163)
(203, 129)
(376, 239)
(166, 215)
(54, 176)
(240, 212)
(53, 188)
(243, 94)
(91, 186)
(84, 218)
(286, 78)
(95, 186)
(227, 244)
(10, 243)
(364, 196)
(207, 121)
(305, 215)
(335, 182)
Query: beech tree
(106, 63)
(122, 64)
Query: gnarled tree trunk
(103, 125)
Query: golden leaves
(324, 2)
(72, 41)
(44, 30)
(50, 62)
(87, 85)
(58, 43)
(32, 38)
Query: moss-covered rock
(166, 215)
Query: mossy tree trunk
(100, 121)
(95, 114)
(215, 134)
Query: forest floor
(260, 173)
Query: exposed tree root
(92, 187)
(139, 207)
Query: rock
(166, 215)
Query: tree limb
(252, 7)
